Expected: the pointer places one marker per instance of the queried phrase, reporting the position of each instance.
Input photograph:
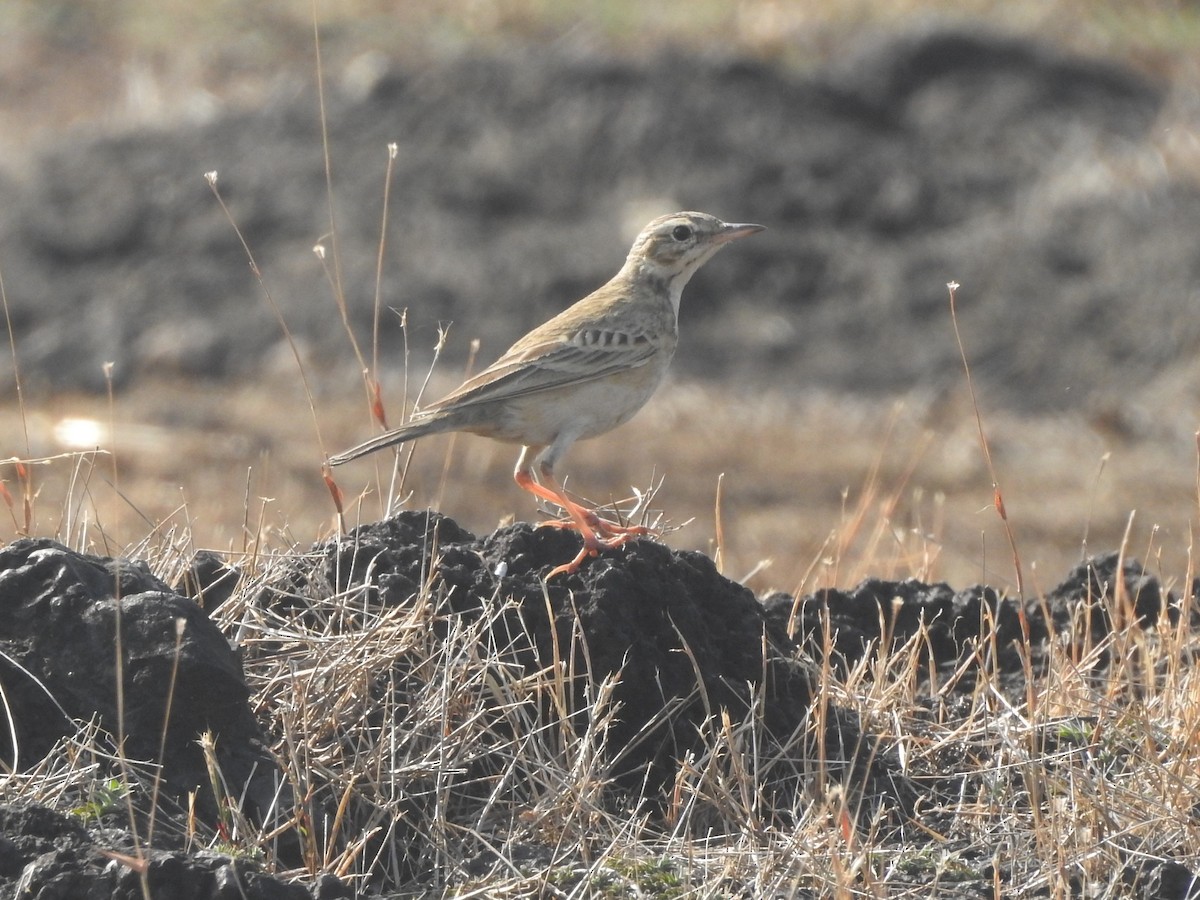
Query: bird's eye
(681, 233)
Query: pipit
(584, 372)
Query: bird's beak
(732, 232)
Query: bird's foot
(592, 545)
(602, 527)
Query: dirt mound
(521, 175)
(62, 611)
(681, 639)
(645, 648)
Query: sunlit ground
(804, 492)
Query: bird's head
(671, 248)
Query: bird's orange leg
(603, 527)
(549, 489)
(597, 533)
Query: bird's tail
(400, 435)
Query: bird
(582, 373)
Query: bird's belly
(587, 410)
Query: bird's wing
(533, 365)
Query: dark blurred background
(1044, 155)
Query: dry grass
(420, 754)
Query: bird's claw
(601, 526)
(592, 545)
